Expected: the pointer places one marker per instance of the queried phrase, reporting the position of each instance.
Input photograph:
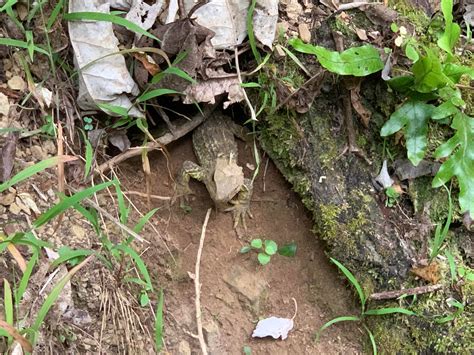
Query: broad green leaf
(455, 71)
(155, 93)
(34, 169)
(452, 95)
(402, 84)
(353, 281)
(413, 115)
(144, 299)
(288, 250)
(389, 310)
(256, 243)
(428, 73)
(444, 110)
(357, 61)
(69, 202)
(159, 323)
(100, 16)
(263, 258)
(451, 30)
(461, 162)
(270, 247)
(411, 53)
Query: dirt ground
(236, 291)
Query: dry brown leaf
(25, 344)
(206, 91)
(363, 113)
(7, 157)
(148, 63)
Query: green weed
(266, 249)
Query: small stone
(49, 147)
(38, 153)
(4, 105)
(22, 206)
(78, 232)
(304, 32)
(279, 52)
(17, 83)
(184, 348)
(7, 198)
(15, 209)
(282, 28)
(247, 284)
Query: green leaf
(394, 27)
(21, 44)
(247, 350)
(144, 299)
(245, 249)
(138, 262)
(7, 302)
(250, 32)
(67, 254)
(461, 162)
(337, 320)
(428, 73)
(402, 84)
(353, 281)
(124, 210)
(452, 266)
(456, 71)
(452, 30)
(141, 222)
(118, 110)
(175, 71)
(54, 14)
(251, 85)
(31, 170)
(288, 250)
(25, 279)
(357, 61)
(389, 310)
(411, 53)
(446, 109)
(256, 243)
(100, 16)
(372, 340)
(69, 202)
(155, 93)
(270, 247)
(263, 258)
(414, 116)
(159, 323)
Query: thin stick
(265, 174)
(160, 142)
(197, 285)
(387, 295)
(253, 116)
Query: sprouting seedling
(266, 249)
(88, 123)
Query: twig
(141, 194)
(197, 285)
(296, 308)
(265, 174)
(253, 116)
(387, 295)
(161, 141)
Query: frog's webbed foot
(241, 205)
(182, 189)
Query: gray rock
(249, 286)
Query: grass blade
(250, 33)
(21, 44)
(372, 340)
(452, 266)
(175, 71)
(69, 202)
(8, 302)
(123, 209)
(25, 279)
(71, 254)
(17, 336)
(295, 59)
(53, 296)
(155, 93)
(138, 262)
(353, 280)
(337, 320)
(54, 14)
(34, 169)
(141, 222)
(159, 324)
(389, 310)
(99, 16)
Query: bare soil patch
(236, 291)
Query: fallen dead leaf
(17, 83)
(304, 32)
(4, 105)
(206, 91)
(7, 157)
(362, 34)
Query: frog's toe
(239, 213)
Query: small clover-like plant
(392, 196)
(266, 249)
(88, 124)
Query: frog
(215, 147)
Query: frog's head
(228, 179)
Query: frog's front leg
(241, 204)
(189, 170)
